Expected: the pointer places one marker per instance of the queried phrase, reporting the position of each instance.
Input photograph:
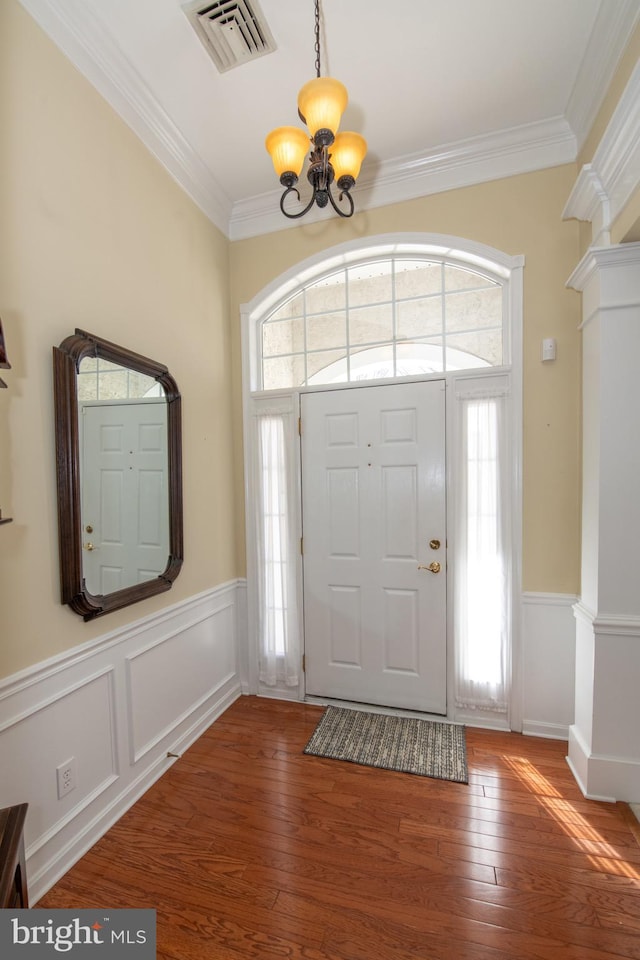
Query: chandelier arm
(294, 216)
(337, 209)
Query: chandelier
(321, 103)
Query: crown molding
(83, 38)
(87, 43)
(589, 200)
(613, 26)
(617, 158)
(604, 186)
(612, 257)
(522, 149)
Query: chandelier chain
(317, 47)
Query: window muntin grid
(388, 317)
(102, 380)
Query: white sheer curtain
(483, 551)
(276, 557)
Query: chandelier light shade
(321, 103)
(288, 147)
(348, 152)
(333, 156)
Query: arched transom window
(387, 317)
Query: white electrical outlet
(67, 775)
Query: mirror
(119, 471)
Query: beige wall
(95, 234)
(519, 215)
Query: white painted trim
(549, 731)
(482, 719)
(291, 694)
(36, 673)
(588, 796)
(35, 708)
(586, 196)
(549, 599)
(85, 40)
(611, 31)
(111, 778)
(136, 755)
(505, 153)
(549, 664)
(621, 773)
(589, 201)
(242, 634)
(607, 624)
(605, 185)
(53, 709)
(516, 346)
(603, 258)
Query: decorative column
(604, 741)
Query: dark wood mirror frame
(4, 363)
(66, 363)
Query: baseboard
(483, 719)
(550, 731)
(601, 776)
(119, 705)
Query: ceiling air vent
(233, 31)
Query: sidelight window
(483, 556)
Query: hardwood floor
(248, 848)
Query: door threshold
(377, 708)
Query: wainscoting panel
(54, 735)
(548, 664)
(118, 705)
(172, 676)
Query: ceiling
(446, 92)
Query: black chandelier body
(320, 175)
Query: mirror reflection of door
(125, 531)
(124, 478)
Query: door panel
(124, 493)
(373, 484)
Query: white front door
(374, 523)
(125, 506)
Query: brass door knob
(433, 567)
(88, 546)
